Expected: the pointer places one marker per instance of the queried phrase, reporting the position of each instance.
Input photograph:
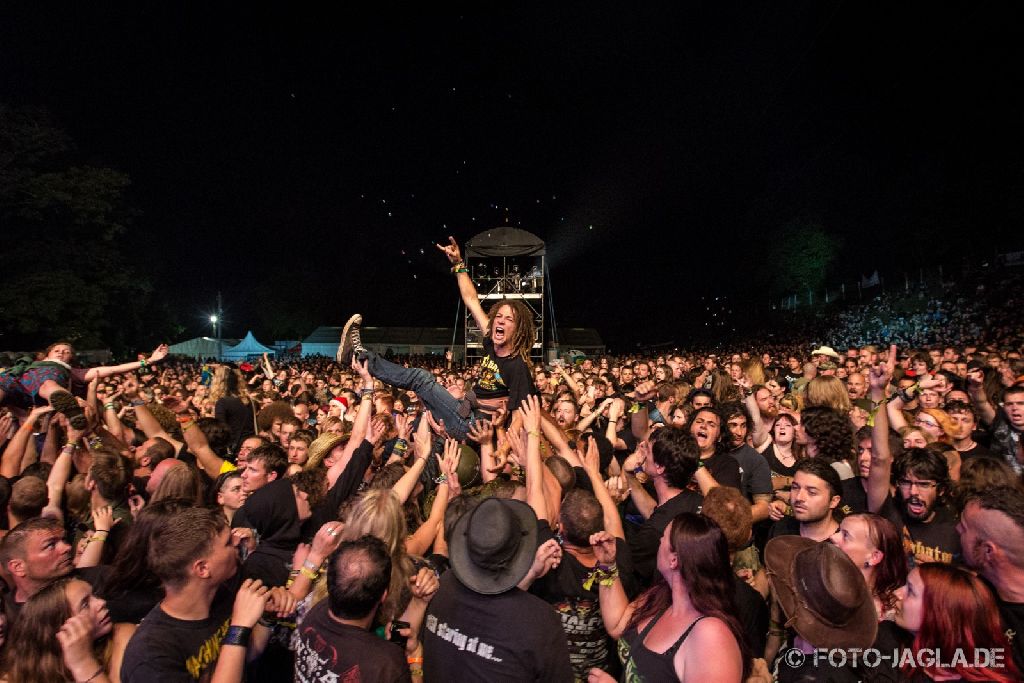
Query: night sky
(288, 157)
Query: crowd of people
(768, 514)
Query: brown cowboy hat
(493, 545)
(822, 592)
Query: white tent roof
(245, 348)
(200, 347)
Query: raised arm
(615, 607)
(643, 500)
(534, 467)
(979, 399)
(466, 287)
(584, 424)
(592, 466)
(881, 459)
(10, 466)
(211, 463)
(151, 427)
(99, 373)
(422, 446)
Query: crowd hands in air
(689, 516)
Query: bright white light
(213, 319)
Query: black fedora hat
(493, 545)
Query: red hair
(960, 613)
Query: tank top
(641, 665)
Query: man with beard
(755, 474)
(566, 413)
(919, 510)
(814, 496)
(991, 532)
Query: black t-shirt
(978, 451)
(643, 544)
(510, 637)
(167, 649)
(580, 609)
(502, 376)
(725, 469)
(755, 474)
(937, 540)
(787, 526)
(331, 651)
(753, 613)
(854, 499)
(239, 418)
(1011, 614)
(777, 468)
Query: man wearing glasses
(920, 509)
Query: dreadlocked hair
(522, 340)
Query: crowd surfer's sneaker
(63, 402)
(350, 342)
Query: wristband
(443, 479)
(311, 575)
(414, 660)
(267, 623)
(459, 267)
(311, 567)
(237, 635)
(142, 363)
(109, 406)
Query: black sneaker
(350, 341)
(63, 402)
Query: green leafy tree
(64, 272)
(800, 257)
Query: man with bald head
(992, 536)
(856, 386)
(159, 472)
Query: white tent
(201, 347)
(246, 348)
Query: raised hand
(326, 541)
(75, 639)
(403, 426)
(451, 250)
(603, 544)
(362, 368)
(481, 431)
(424, 584)
(158, 354)
(531, 413)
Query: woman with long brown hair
(68, 610)
(667, 632)
(232, 404)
